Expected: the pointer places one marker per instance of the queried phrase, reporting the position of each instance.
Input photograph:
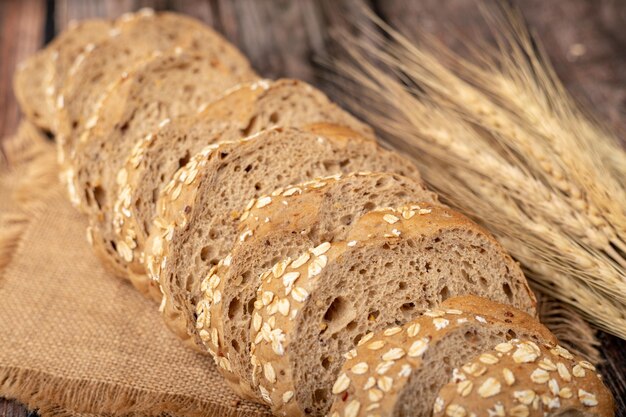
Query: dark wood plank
(22, 25)
(585, 40)
(12, 409)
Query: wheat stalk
(501, 140)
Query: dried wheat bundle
(501, 140)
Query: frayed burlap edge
(32, 180)
(53, 396)
(30, 158)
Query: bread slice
(282, 225)
(393, 266)
(30, 90)
(37, 79)
(245, 110)
(134, 39)
(198, 210)
(64, 50)
(398, 371)
(522, 379)
(163, 88)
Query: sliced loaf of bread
(522, 379)
(245, 110)
(393, 266)
(29, 86)
(163, 88)
(38, 79)
(133, 39)
(64, 50)
(198, 210)
(282, 225)
(399, 370)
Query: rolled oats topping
(521, 378)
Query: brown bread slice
(526, 380)
(246, 110)
(394, 265)
(38, 79)
(398, 371)
(198, 210)
(285, 224)
(135, 38)
(64, 50)
(29, 86)
(163, 88)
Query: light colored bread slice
(163, 88)
(393, 266)
(399, 370)
(524, 379)
(198, 210)
(134, 39)
(282, 225)
(39, 77)
(246, 110)
(64, 50)
(30, 89)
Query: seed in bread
(165, 87)
(198, 211)
(424, 355)
(343, 292)
(29, 87)
(132, 40)
(39, 78)
(286, 223)
(245, 110)
(526, 379)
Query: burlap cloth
(75, 341)
(72, 338)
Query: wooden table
(584, 39)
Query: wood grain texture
(21, 34)
(584, 39)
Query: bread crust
(271, 332)
(371, 381)
(177, 201)
(119, 125)
(526, 380)
(297, 209)
(227, 118)
(94, 70)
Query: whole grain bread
(198, 211)
(134, 38)
(245, 110)
(30, 90)
(64, 50)
(393, 266)
(399, 370)
(525, 379)
(162, 88)
(284, 224)
(36, 81)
